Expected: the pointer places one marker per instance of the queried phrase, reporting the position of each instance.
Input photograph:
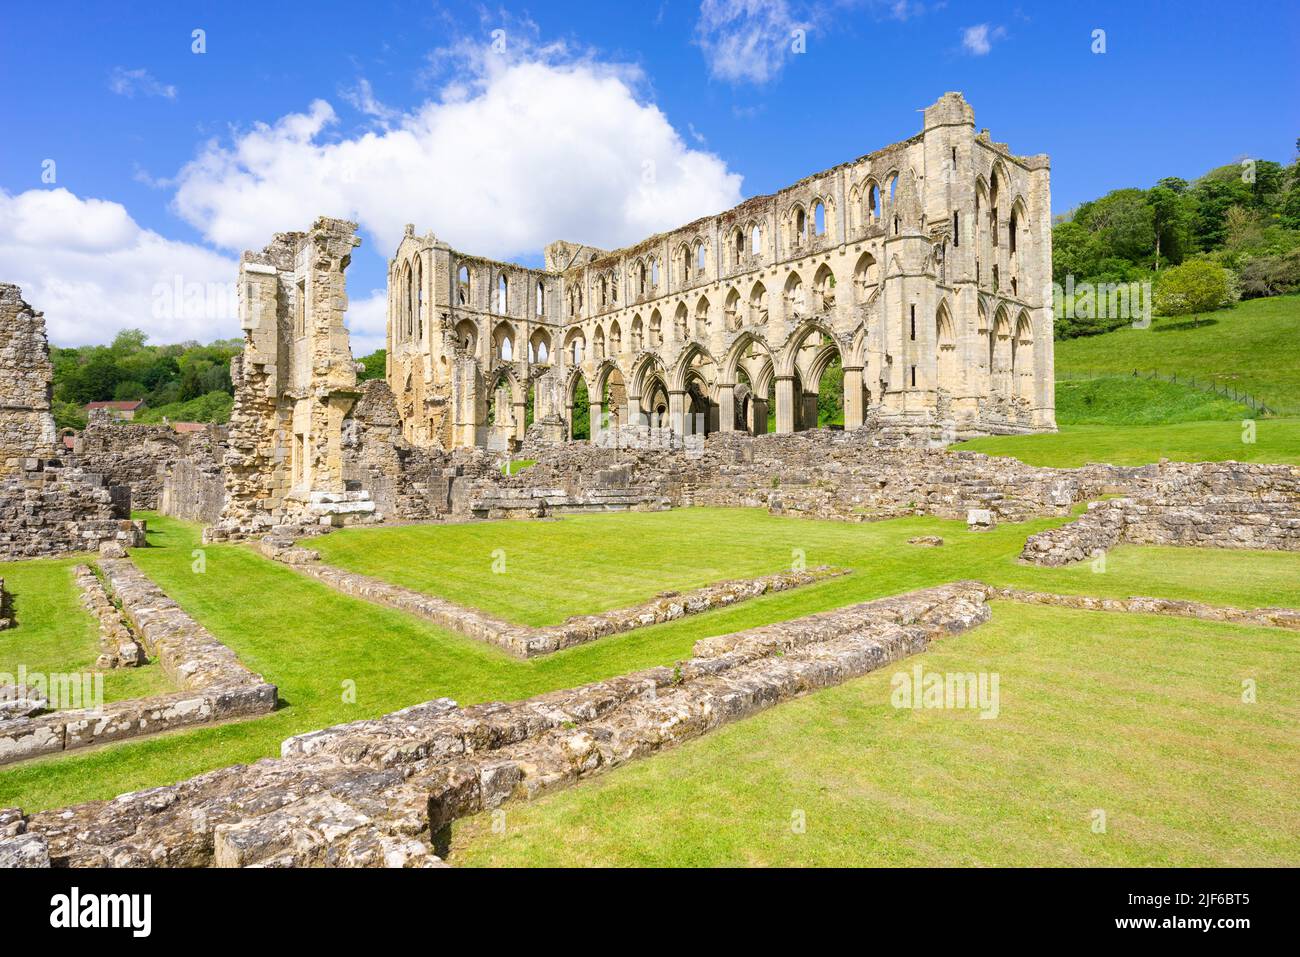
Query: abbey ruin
(922, 268)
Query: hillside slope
(1253, 348)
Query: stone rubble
(120, 647)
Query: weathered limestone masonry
(6, 608)
(214, 685)
(526, 641)
(815, 474)
(923, 267)
(121, 649)
(374, 793)
(45, 507)
(294, 384)
(131, 454)
(1141, 605)
(1206, 504)
(26, 390)
(194, 486)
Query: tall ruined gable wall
(26, 377)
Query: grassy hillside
(1126, 400)
(1251, 348)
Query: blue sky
(591, 122)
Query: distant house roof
(189, 426)
(69, 441)
(128, 406)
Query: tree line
(1239, 224)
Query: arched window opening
(699, 259)
(462, 286)
(819, 218)
(739, 242)
(541, 298)
(756, 240)
(956, 229)
(503, 293)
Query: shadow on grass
(1184, 325)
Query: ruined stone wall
(406, 483)
(129, 454)
(295, 383)
(26, 377)
(194, 487)
(1206, 504)
(49, 509)
(922, 267)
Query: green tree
(1193, 288)
(373, 365)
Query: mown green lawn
(1132, 716)
(54, 634)
(1275, 440)
(1250, 348)
(312, 641)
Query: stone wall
(923, 266)
(131, 454)
(375, 792)
(194, 488)
(26, 390)
(213, 684)
(1206, 504)
(295, 383)
(50, 509)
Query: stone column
(854, 413)
(593, 419)
(726, 407)
(758, 415)
(808, 411)
(521, 427)
(677, 412)
(785, 404)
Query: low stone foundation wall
(215, 684)
(6, 607)
(373, 793)
(120, 649)
(1141, 605)
(529, 642)
(1213, 523)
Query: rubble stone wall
(213, 684)
(194, 488)
(49, 509)
(26, 390)
(131, 454)
(373, 793)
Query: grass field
(54, 634)
(1276, 440)
(1126, 400)
(1250, 348)
(1128, 715)
(309, 640)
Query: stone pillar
(521, 418)
(677, 412)
(785, 412)
(593, 419)
(758, 415)
(808, 411)
(726, 407)
(854, 413)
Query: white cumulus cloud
(515, 153)
(93, 270)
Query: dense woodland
(1243, 218)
